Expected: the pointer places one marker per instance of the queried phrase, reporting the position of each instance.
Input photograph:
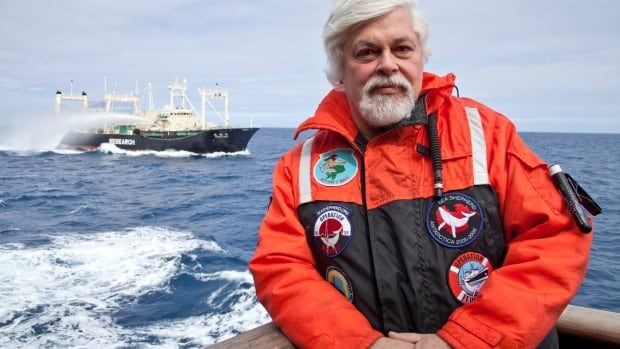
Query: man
(441, 229)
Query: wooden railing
(578, 327)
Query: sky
(550, 66)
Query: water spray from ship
(39, 133)
(43, 132)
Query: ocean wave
(198, 331)
(68, 290)
(46, 197)
(83, 210)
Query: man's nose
(387, 64)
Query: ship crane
(112, 98)
(60, 97)
(216, 93)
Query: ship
(178, 126)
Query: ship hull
(227, 140)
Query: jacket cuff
(462, 331)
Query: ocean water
(113, 249)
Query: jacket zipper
(369, 238)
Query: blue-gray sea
(110, 249)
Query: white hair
(348, 14)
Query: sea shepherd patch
(468, 273)
(455, 220)
(332, 229)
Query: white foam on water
(62, 151)
(61, 294)
(246, 314)
(108, 148)
(220, 154)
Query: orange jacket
(545, 259)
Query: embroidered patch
(340, 281)
(468, 273)
(332, 229)
(336, 167)
(455, 220)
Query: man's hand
(421, 340)
(391, 343)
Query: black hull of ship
(227, 140)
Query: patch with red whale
(454, 220)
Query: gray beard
(384, 110)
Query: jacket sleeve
(308, 310)
(546, 256)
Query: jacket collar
(333, 112)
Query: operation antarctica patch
(336, 167)
(468, 273)
(340, 281)
(455, 220)
(332, 229)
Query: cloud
(526, 58)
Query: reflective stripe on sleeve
(478, 147)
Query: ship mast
(216, 93)
(150, 97)
(60, 97)
(179, 90)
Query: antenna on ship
(184, 97)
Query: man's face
(382, 63)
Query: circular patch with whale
(336, 167)
(332, 229)
(340, 281)
(454, 220)
(468, 273)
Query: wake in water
(97, 290)
(113, 149)
(107, 148)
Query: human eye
(403, 50)
(365, 54)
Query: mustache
(377, 82)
